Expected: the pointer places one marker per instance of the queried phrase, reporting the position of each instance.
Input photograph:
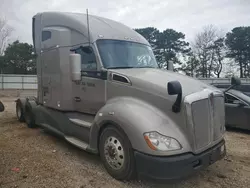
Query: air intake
(120, 78)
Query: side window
(46, 35)
(88, 58)
(229, 99)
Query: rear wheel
(1, 107)
(29, 117)
(117, 154)
(19, 112)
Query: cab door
(90, 92)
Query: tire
(2, 108)
(29, 117)
(115, 146)
(19, 112)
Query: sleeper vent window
(46, 35)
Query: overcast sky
(187, 16)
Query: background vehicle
(100, 88)
(237, 109)
(1, 107)
(244, 88)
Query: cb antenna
(88, 25)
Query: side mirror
(75, 66)
(235, 81)
(1, 107)
(174, 88)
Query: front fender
(135, 117)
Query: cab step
(77, 142)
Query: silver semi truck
(100, 88)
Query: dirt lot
(33, 158)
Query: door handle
(77, 99)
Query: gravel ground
(33, 158)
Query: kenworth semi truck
(100, 88)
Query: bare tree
(220, 53)
(5, 32)
(203, 47)
(230, 69)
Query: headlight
(160, 142)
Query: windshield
(240, 95)
(125, 54)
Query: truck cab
(100, 88)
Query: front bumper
(179, 166)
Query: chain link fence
(29, 82)
(16, 81)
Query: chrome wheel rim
(114, 153)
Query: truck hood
(155, 80)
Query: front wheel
(117, 154)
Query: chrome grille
(201, 123)
(208, 117)
(218, 118)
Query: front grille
(201, 123)
(208, 117)
(219, 117)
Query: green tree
(238, 44)
(19, 59)
(2, 64)
(150, 34)
(191, 65)
(170, 46)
